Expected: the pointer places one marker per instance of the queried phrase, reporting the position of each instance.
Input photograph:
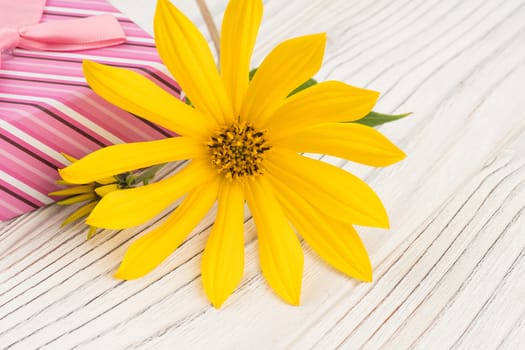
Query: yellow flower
(89, 194)
(243, 139)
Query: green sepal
(78, 198)
(147, 175)
(80, 213)
(70, 191)
(91, 232)
(375, 119)
(64, 183)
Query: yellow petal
(223, 258)
(355, 142)
(134, 206)
(290, 64)
(239, 30)
(280, 252)
(331, 190)
(80, 213)
(187, 55)
(107, 180)
(150, 250)
(104, 190)
(139, 95)
(73, 190)
(329, 101)
(336, 242)
(68, 157)
(118, 159)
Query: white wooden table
(448, 274)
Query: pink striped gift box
(46, 107)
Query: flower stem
(212, 28)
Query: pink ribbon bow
(19, 27)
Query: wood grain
(449, 272)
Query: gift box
(46, 106)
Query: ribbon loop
(21, 30)
(72, 34)
(9, 39)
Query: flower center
(238, 150)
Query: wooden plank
(448, 274)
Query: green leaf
(188, 102)
(305, 85)
(371, 119)
(252, 73)
(309, 83)
(375, 119)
